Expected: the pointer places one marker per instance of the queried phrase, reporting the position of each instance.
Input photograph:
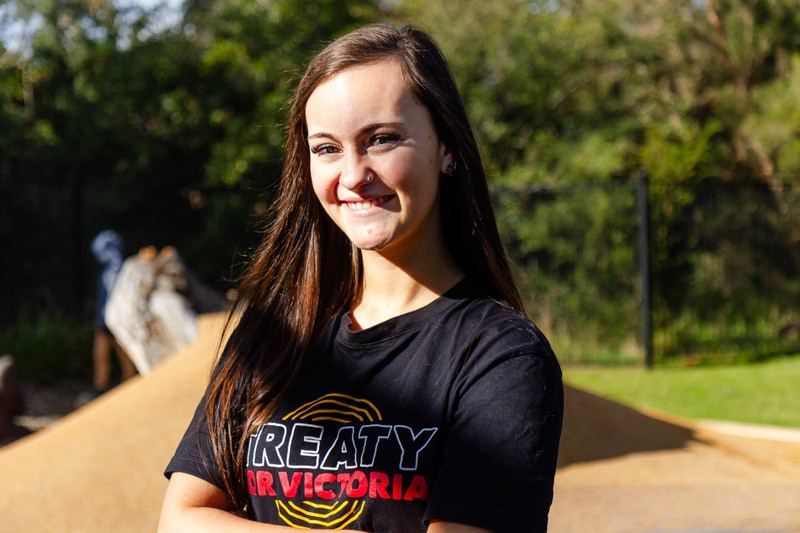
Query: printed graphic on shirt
(319, 462)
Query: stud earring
(450, 169)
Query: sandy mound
(99, 469)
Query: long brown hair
(306, 271)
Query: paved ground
(621, 470)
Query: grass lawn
(758, 393)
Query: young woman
(382, 376)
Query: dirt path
(627, 471)
(621, 470)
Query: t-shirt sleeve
(193, 455)
(501, 447)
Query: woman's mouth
(364, 205)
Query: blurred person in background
(107, 250)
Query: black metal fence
(726, 272)
(46, 228)
(576, 252)
(627, 273)
(614, 273)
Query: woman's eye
(382, 139)
(323, 149)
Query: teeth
(366, 204)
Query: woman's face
(375, 158)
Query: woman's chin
(371, 243)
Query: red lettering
(290, 489)
(319, 486)
(417, 489)
(264, 481)
(360, 479)
(397, 487)
(353, 485)
(251, 482)
(342, 478)
(378, 482)
(308, 486)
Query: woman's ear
(447, 159)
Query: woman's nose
(355, 171)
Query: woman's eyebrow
(378, 125)
(369, 127)
(320, 135)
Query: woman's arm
(194, 505)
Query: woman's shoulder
(502, 353)
(493, 328)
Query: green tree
(570, 93)
(174, 133)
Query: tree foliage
(174, 133)
(169, 134)
(576, 96)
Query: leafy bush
(49, 347)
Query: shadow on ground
(596, 428)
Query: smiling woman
(376, 159)
(382, 375)
(375, 164)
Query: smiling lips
(364, 205)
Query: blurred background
(644, 158)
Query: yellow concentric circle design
(333, 407)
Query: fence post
(78, 267)
(645, 306)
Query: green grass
(758, 393)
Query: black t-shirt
(451, 412)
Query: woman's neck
(394, 286)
